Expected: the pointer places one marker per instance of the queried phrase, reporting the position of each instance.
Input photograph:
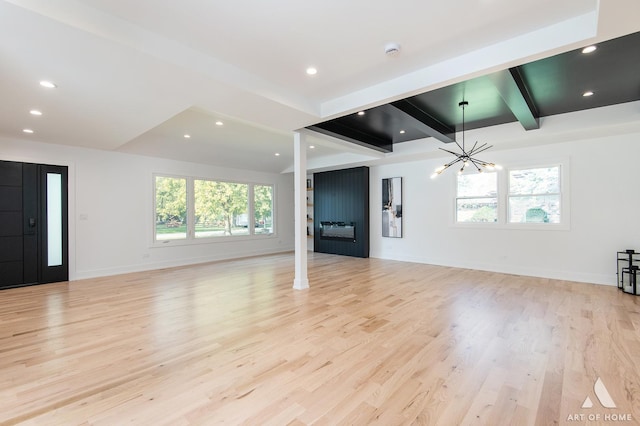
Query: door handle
(32, 222)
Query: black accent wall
(342, 196)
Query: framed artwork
(392, 207)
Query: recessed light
(48, 84)
(587, 94)
(589, 49)
(27, 131)
(219, 123)
(35, 112)
(312, 71)
(311, 146)
(360, 112)
(402, 132)
(277, 154)
(187, 136)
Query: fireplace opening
(341, 231)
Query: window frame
(176, 241)
(512, 196)
(456, 198)
(503, 198)
(563, 194)
(191, 238)
(249, 224)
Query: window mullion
(541, 194)
(191, 215)
(250, 209)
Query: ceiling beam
(515, 94)
(351, 134)
(425, 122)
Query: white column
(300, 281)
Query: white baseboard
(576, 276)
(591, 278)
(141, 267)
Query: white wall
(605, 215)
(113, 194)
(114, 191)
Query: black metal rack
(628, 269)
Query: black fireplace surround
(341, 212)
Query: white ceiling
(135, 76)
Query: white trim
(503, 199)
(103, 272)
(496, 197)
(191, 238)
(565, 196)
(542, 273)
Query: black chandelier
(466, 157)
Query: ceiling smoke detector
(392, 49)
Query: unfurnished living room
(319, 213)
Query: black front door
(33, 224)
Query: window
(188, 209)
(263, 209)
(221, 208)
(530, 196)
(534, 195)
(171, 208)
(477, 198)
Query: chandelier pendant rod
(463, 104)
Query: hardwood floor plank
(371, 342)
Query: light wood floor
(371, 342)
